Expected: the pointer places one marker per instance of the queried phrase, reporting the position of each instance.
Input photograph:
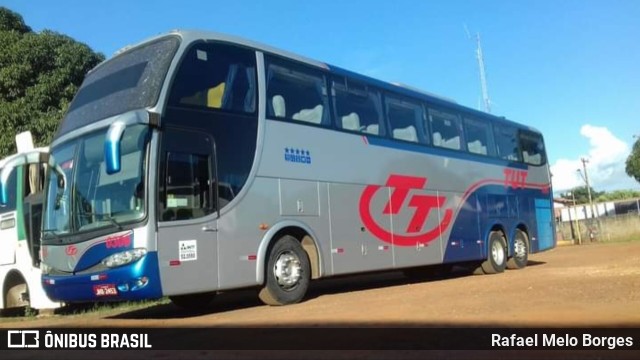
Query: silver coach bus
(197, 162)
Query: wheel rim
(287, 270)
(497, 252)
(519, 249)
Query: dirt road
(589, 285)
(571, 286)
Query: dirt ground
(596, 285)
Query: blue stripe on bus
(470, 230)
(462, 155)
(81, 287)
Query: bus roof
(437, 100)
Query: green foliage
(619, 195)
(11, 21)
(582, 195)
(633, 162)
(39, 75)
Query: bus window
(479, 137)
(11, 190)
(187, 179)
(187, 191)
(445, 129)
(296, 94)
(405, 117)
(216, 76)
(357, 107)
(506, 142)
(532, 148)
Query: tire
(497, 254)
(287, 274)
(14, 297)
(520, 251)
(193, 302)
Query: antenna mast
(483, 76)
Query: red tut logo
(71, 250)
(515, 178)
(423, 204)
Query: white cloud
(607, 156)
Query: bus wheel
(193, 302)
(17, 296)
(520, 251)
(288, 273)
(497, 257)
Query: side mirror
(36, 156)
(112, 156)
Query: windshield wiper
(52, 232)
(105, 217)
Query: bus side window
(216, 76)
(532, 148)
(357, 107)
(507, 142)
(187, 186)
(405, 118)
(479, 137)
(296, 93)
(12, 191)
(445, 129)
(187, 176)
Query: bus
(20, 217)
(196, 162)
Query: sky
(569, 68)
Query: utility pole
(575, 216)
(586, 180)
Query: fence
(607, 228)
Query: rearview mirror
(112, 156)
(36, 156)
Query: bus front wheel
(520, 253)
(497, 254)
(288, 273)
(17, 296)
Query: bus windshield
(94, 199)
(131, 80)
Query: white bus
(20, 225)
(197, 162)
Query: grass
(83, 309)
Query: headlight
(124, 258)
(44, 268)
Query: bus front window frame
(84, 213)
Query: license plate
(105, 290)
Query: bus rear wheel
(520, 254)
(288, 273)
(193, 302)
(497, 255)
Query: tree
(618, 195)
(39, 75)
(633, 161)
(581, 195)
